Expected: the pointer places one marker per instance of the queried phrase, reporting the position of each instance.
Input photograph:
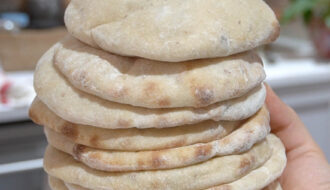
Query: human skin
(307, 167)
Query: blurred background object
(320, 34)
(27, 29)
(45, 13)
(11, 5)
(21, 51)
(278, 6)
(13, 21)
(316, 16)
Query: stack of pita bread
(155, 94)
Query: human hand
(307, 167)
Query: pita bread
(273, 186)
(264, 175)
(256, 179)
(132, 139)
(219, 170)
(154, 84)
(60, 185)
(75, 187)
(253, 131)
(172, 30)
(56, 184)
(81, 108)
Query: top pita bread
(172, 30)
(154, 84)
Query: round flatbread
(172, 30)
(154, 84)
(219, 170)
(273, 186)
(253, 131)
(132, 139)
(57, 184)
(82, 108)
(256, 179)
(264, 175)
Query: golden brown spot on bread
(140, 162)
(157, 161)
(95, 156)
(94, 140)
(203, 150)
(204, 95)
(122, 123)
(78, 149)
(34, 116)
(150, 89)
(118, 93)
(164, 102)
(225, 140)
(245, 164)
(177, 143)
(69, 130)
(276, 31)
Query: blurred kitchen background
(297, 66)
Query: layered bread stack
(155, 94)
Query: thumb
(286, 124)
(307, 166)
